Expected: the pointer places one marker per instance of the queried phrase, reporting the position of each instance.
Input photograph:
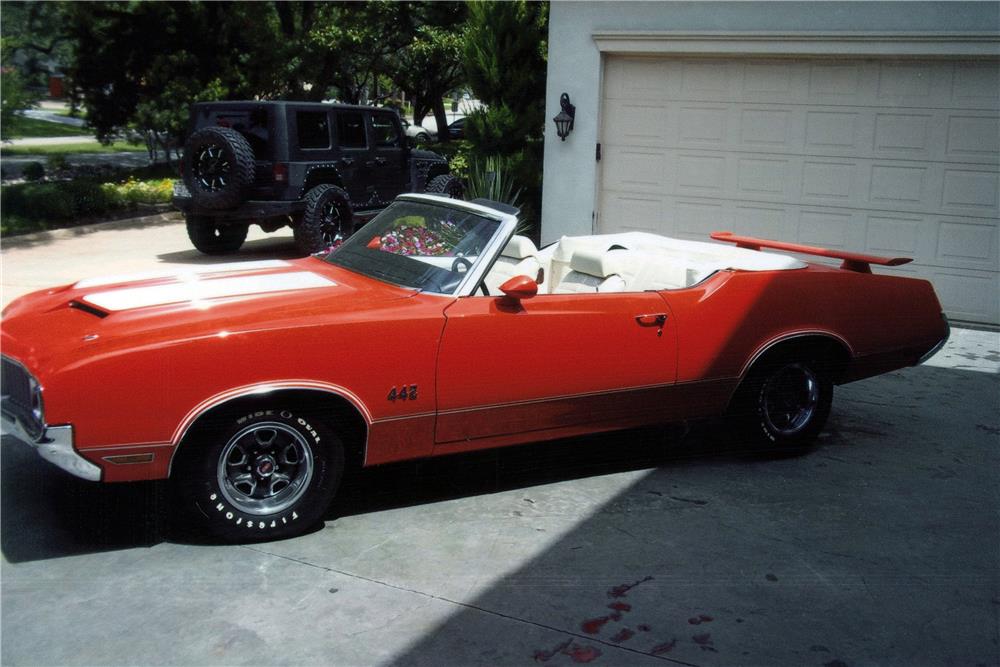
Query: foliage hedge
(29, 207)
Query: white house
(869, 126)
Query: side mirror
(519, 287)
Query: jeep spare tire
(218, 167)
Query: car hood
(168, 307)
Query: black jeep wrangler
(317, 167)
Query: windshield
(419, 245)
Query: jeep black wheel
(214, 239)
(218, 167)
(446, 184)
(782, 404)
(259, 474)
(327, 220)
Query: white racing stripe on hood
(202, 290)
(183, 274)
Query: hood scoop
(87, 308)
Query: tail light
(280, 172)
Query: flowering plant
(415, 238)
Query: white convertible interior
(627, 262)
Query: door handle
(652, 319)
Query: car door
(388, 159)
(552, 363)
(354, 163)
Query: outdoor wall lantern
(564, 119)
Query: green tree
(14, 96)
(430, 65)
(139, 65)
(505, 62)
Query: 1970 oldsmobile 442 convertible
(435, 330)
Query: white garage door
(894, 158)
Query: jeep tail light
(280, 172)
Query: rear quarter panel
(726, 321)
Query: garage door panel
(973, 138)
(638, 171)
(831, 229)
(967, 295)
(975, 85)
(888, 156)
(702, 126)
(629, 212)
(691, 218)
(834, 82)
(971, 190)
(640, 124)
(967, 243)
(761, 176)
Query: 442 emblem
(404, 393)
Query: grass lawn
(25, 128)
(80, 113)
(72, 149)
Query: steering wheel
(459, 262)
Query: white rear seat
(518, 258)
(598, 270)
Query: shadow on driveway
(252, 251)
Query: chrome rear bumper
(937, 348)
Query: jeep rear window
(313, 129)
(252, 124)
(351, 129)
(385, 130)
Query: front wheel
(782, 405)
(446, 184)
(214, 239)
(259, 474)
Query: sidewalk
(49, 141)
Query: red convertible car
(434, 330)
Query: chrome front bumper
(55, 446)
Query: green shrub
(33, 171)
(57, 162)
(28, 207)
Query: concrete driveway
(879, 547)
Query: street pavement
(637, 548)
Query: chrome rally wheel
(789, 399)
(265, 468)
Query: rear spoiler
(852, 261)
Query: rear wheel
(212, 238)
(327, 220)
(783, 404)
(259, 474)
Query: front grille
(16, 387)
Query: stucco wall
(574, 67)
